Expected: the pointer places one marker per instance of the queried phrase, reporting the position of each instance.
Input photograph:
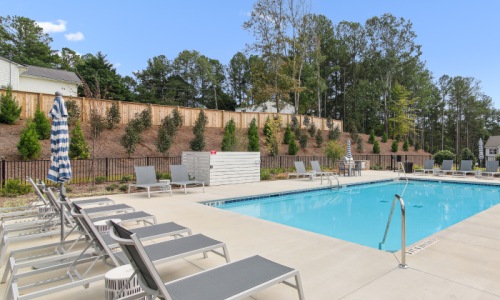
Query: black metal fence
(114, 169)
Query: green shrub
(319, 138)
(253, 136)
(42, 124)
(146, 117)
(303, 139)
(113, 116)
(177, 118)
(287, 135)
(468, 155)
(376, 167)
(130, 139)
(78, 148)
(111, 187)
(334, 151)
(29, 146)
(334, 134)
(312, 129)
(14, 187)
(371, 139)
(394, 146)
(126, 178)
(10, 112)
(384, 138)
(123, 188)
(443, 155)
(161, 175)
(292, 145)
(265, 174)
(229, 139)
(406, 146)
(74, 112)
(97, 123)
(376, 147)
(294, 123)
(198, 143)
(100, 179)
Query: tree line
(370, 75)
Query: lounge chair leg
(149, 194)
(203, 184)
(185, 189)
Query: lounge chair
(491, 169)
(180, 177)
(236, 280)
(428, 167)
(317, 168)
(163, 251)
(446, 168)
(146, 178)
(300, 170)
(465, 168)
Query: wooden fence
(128, 110)
(113, 169)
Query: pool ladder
(331, 182)
(403, 264)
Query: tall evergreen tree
(253, 136)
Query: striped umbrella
(481, 151)
(349, 154)
(60, 167)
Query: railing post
(3, 174)
(107, 168)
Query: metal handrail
(401, 167)
(403, 264)
(331, 182)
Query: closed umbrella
(60, 166)
(481, 151)
(349, 154)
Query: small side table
(436, 172)
(478, 173)
(118, 279)
(103, 227)
(165, 187)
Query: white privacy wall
(219, 168)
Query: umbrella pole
(62, 197)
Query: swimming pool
(359, 213)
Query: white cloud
(74, 37)
(49, 27)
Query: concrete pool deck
(463, 262)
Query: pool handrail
(403, 264)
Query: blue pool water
(359, 213)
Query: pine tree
(303, 139)
(29, 147)
(273, 140)
(164, 140)
(253, 136)
(229, 139)
(177, 118)
(394, 147)
(312, 129)
(266, 128)
(10, 112)
(371, 139)
(334, 134)
(406, 146)
(376, 147)
(292, 146)
(146, 117)
(384, 138)
(319, 138)
(42, 124)
(78, 148)
(198, 143)
(288, 134)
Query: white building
(492, 147)
(37, 79)
(269, 106)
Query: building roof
(54, 74)
(493, 141)
(10, 61)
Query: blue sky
(458, 37)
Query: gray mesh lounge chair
(300, 170)
(76, 271)
(465, 168)
(317, 168)
(428, 167)
(146, 178)
(180, 176)
(491, 169)
(446, 168)
(236, 280)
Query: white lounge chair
(428, 167)
(465, 168)
(300, 170)
(317, 168)
(491, 169)
(179, 176)
(146, 178)
(236, 280)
